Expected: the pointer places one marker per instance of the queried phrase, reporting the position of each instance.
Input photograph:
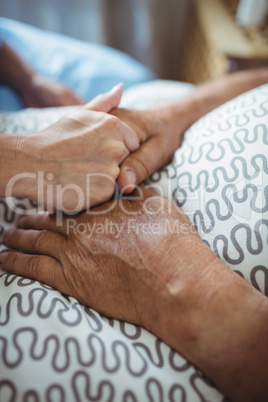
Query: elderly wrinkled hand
(141, 261)
(160, 135)
(118, 258)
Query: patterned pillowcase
(52, 348)
(222, 183)
(219, 178)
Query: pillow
(222, 183)
(54, 349)
(88, 68)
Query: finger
(129, 137)
(52, 223)
(38, 267)
(35, 242)
(138, 166)
(106, 102)
(134, 119)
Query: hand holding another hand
(78, 157)
(160, 129)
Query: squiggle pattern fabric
(54, 349)
(222, 183)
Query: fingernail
(117, 86)
(131, 176)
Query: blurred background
(188, 40)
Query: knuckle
(143, 161)
(38, 240)
(115, 149)
(33, 265)
(113, 172)
(111, 122)
(11, 258)
(119, 150)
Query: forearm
(184, 112)
(14, 71)
(16, 158)
(161, 126)
(219, 323)
(213, 94)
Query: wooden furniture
(215, 44)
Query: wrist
(176, 282)
(210, 95)
(16, 179)
(215, 319)
(189, 288)
(177, 116)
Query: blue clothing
(87, 68)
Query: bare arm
(34, 89)
(14, 71)
(214, 93)
(220, 323)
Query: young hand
(73, 164)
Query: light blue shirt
(87, 68)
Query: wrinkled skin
(160, 135)
(120, 274)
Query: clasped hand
(78, 156)
(85, 152)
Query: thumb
(106, 102)
(139, 165)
